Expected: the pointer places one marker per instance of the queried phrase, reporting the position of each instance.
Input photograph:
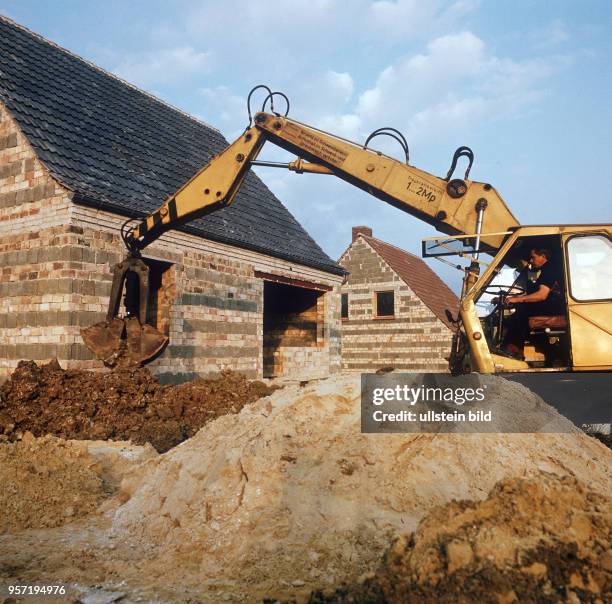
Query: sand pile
(124, 404)
(288, 496)
(47, 482)
(543, 540)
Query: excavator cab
(546, 343)
(577, 335)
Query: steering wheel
(497, 290)
(501, 292)
(495, 319)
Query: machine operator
(544, 299)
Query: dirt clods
(124, 404)
(287, 499)
(540, 540)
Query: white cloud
(462, 7)
(451, 114)
(293, 33)
(344, 125)
(340, 83)
(163, 66)
(393, 20)
(322, 96)
(456, 82)
(412, 83)
(402, 16)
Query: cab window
(590, 267)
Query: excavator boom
(448, 205)
(211, 189)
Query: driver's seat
(551, 333)
(548, 323)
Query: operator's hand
(513, 299)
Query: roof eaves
(88, 201)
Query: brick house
(393, 309)
(81, 150)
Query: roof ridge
(105, 72)
(394, 246)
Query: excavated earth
(543, 540)
(124, 404)
(46, 482)
(286, 499)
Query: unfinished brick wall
(56, 259)
(43, 297)
(413, 340)
(216, 304)
(216, 316)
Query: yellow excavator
(477, 226)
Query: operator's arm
(547, 282)
(539, 295)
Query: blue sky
(527, 85)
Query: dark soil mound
(544, 541)
(124, 404)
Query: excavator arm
(453, 206)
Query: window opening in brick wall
(344, 309)
(161, 294)
(385, 304)
(293, 317)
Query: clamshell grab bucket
(130, 340)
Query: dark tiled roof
(123, 150)
(434, 293)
